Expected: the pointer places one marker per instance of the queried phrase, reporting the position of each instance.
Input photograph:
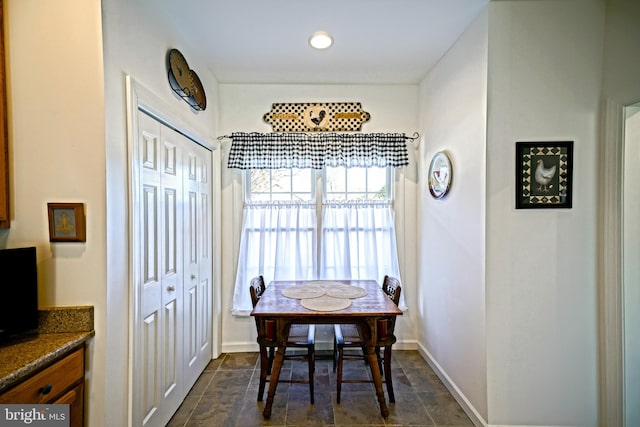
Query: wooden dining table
(364, 311)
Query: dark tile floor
(226, 395)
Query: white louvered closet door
(171, 305)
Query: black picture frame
(551, 189)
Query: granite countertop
(61, 330)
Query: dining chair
(348, 336)
(300, 336)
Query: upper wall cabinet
(5, 220)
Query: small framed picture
(544, 174)
(66, 222)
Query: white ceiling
(375, 41)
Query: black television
(18, 292)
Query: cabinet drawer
(74, 398)
(56, 378)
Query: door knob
(171, 288)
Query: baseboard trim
(244, 347)
(466, 405)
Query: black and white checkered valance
(299, 150)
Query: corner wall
(56, 154)
(451, 231)
(136, 41)
(545, 75)
(622, 50)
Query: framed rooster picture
(544, 174)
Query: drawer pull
(46, 389)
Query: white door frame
(139, 98)
(611, 273)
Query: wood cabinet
(5, 220)
(59, 383)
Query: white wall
(136, 40)
(392, 109)
(545, 75)
(622, 52)
(56, 134)
(451, 240)
(61, 104)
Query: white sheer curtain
(279, 242)
(359, 242)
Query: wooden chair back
(265, 328)
(391, 287)
(256, 289)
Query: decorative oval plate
(440, 173)
(179, 77)
(197, 91)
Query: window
(269, 185)
(357, 227)
(290, 233)
(342, 183)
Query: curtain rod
(413, 138)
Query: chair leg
(340, 350)
(264, 367)
(387, 373)
(312, 369)
(364, 354)
(335, 353)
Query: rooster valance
(314, 151)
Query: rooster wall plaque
(316, 116)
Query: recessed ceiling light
(320, 40)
